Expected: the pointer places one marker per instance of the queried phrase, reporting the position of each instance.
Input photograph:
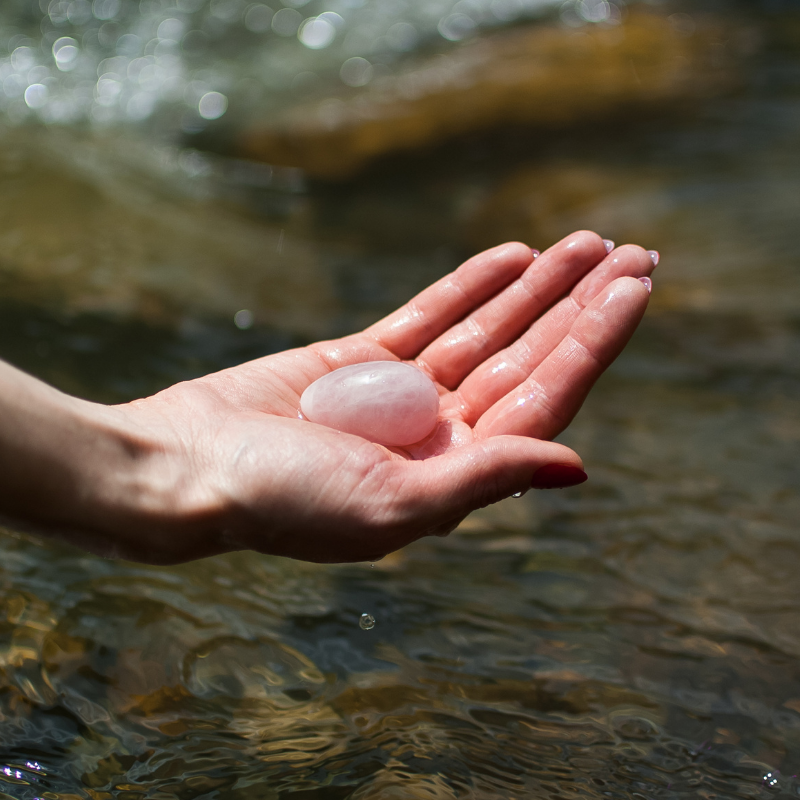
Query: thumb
(473, 476)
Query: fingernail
(558, 476)
(535, 252)
(609, 245)
(655, 256)
(648, 284)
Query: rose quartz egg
(384, 401)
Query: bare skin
(223, 463)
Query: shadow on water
(134, 357)
(632, 638)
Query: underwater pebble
(387, 402)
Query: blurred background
(187, 184)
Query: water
(189, 62)
(366, 622)
(634, 637)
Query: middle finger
(510, 367)
(451, 357)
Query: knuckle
(517, 249)
(489, 491)
(586, 240)
(635, 252)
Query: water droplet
(367, 622)
(518, 494)
(771, 780)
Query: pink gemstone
(384, 401)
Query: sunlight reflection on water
(109, 61)
(634, 637)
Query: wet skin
(513, 343)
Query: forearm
(82, 471)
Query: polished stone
(387, 402)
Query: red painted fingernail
(557, 476)
(654, 254)
(535, 252)
(609, 245)
(648, 284)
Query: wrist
(92, 475)
(138, 496)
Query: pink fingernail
(648, 284)
(535, 252)
(655, 256)
(609, 245)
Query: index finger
(411, 328)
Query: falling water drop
(367, 622)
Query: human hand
(513, 344)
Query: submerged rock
(540, 76)
(125, 227)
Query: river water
(635, 637)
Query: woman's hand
(513, 344)
(222, 463)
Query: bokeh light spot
(507, 10)
(36, 95)
(258, 18)
(65, 51)
(243, 319)
(22, 59)
(317, 33)
(456, 27)
(129, 45)
(171, 29)
(212, 105)
(356, 71)
(593, 10)
(337, 20)
(286, 22)
(106, 9)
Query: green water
(636, 637)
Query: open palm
(513, 345)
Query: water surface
(636, 637)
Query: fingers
(500, 320)
(545, 403)
(411, 328)
(501, 373)
(431, 494)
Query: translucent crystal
(387, 402)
